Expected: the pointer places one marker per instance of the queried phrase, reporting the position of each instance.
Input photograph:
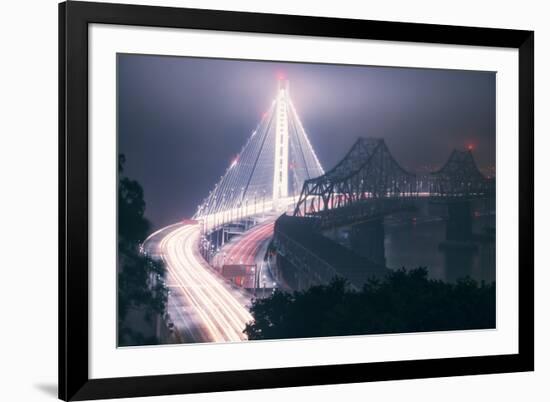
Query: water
(411, 245)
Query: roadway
(203, 307)
(249, 249)
(246, 247)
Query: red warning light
(264, 115)
(280, 75)
(470, 147)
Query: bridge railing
(212, 221)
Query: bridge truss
(460, 177)
(368, 172)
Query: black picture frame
(74, 381)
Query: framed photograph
(257, 200)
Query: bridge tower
(280, 171)
(458, 184)
(269, 171)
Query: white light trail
(220, 312)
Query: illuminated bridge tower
(270, 170)
(280, 173)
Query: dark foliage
(406, 301)
(132, 224)
(141, 284)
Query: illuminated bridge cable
(259, 151)
(270, 169)
(301, 149)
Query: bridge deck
(344, 262)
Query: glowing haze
(182, 121)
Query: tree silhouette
(406, 301)
(141, 284)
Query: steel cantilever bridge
(278, 172)
(369, 174)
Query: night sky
(182, 120)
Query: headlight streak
(245, 250)
(220, 312)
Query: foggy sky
(182, 120)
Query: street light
(231, 208)
(241, 204)
(246, 214)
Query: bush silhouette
(141, 284)
(406, 301)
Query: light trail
(221, 313)
(246, 249)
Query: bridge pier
(367, 240)
(459, 222)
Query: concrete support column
(367, 239)
(459, 222)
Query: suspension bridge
(270, 170)
(275, 196)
